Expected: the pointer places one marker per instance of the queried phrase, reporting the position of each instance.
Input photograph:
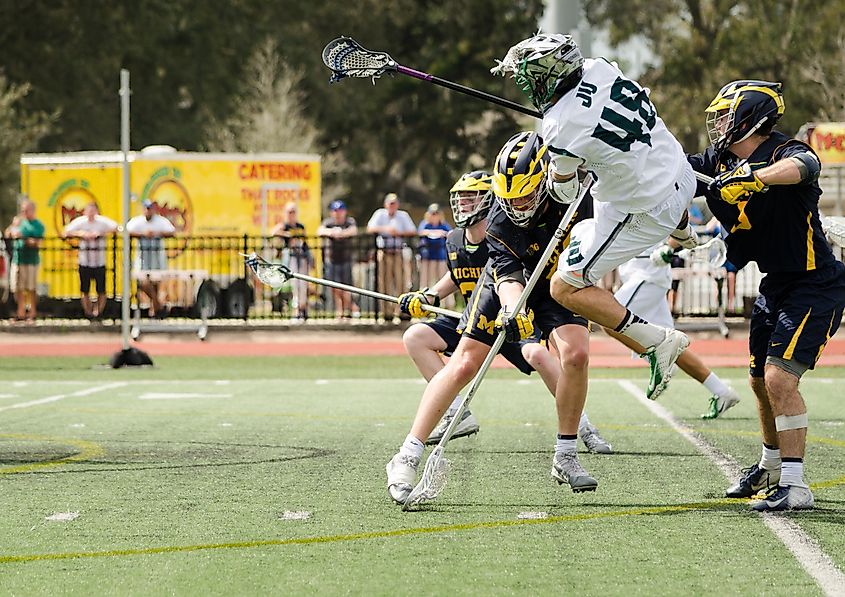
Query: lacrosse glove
(662, 255)
(737, 185)
(517, 326)
(412, 302)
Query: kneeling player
(522, 219)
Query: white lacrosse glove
(662, 255)
(687, 238)
(563, 191)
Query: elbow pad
(808, 165)
(517, 276)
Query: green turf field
(181, 477)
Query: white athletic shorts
(601, 244)
(646, 300)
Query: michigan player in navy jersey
(766, 193)
(469, 341)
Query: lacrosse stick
(347, 58)
(436, 466)
(275, 275)
(714, 251)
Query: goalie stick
(434, 475)
(275, 275)
(345, 57)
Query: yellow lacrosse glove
(412, 302)
(736, 185)
(517, 326)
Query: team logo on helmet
(521, 167)
(543, 66)
(470, 198)
(740, 109)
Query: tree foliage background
(247, 75)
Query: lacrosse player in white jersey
(597, 119)
(645, 281)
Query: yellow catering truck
(218, 202)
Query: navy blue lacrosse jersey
(779, 228)
(513, 248)
(465, 261)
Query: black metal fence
(206, 276)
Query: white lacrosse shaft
(433, 461)
(356, 290)
(703, 178)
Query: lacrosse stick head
(274, 275)
(431, 483)
(834, 229)
(345, 57)
(714, 252)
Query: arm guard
(808, 165)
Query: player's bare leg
(424, 346)
(572, 345)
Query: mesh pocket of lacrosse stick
(433, 480)
(273, 275)
(834, 228)
(714, 252)
(347, 58)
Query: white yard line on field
(57, 397)
(809, 554)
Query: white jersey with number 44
(609, 123)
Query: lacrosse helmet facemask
(543, 66)
(740, 109)
(471, 198)
(518, 178)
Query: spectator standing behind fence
(299, 257)
(432, 248)
(91, 229)
(151, 229)
(27, 232)
(339, 229)
(391, 226)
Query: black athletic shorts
(479, 319)
(795, 315)
(89, 274)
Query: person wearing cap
(391, 226)
(432, 248)
(151, 229)
(339, 230)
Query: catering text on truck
(214, 200)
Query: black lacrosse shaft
(467, 90)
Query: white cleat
(401, 474)
(468, 425)
(595, 443)
(719, 404)
(661, 358)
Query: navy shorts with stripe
(447, 328)
(795, 315)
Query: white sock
(770, 460)
(566, 444)
(715, 385)
(584, 422)
(792, 473)
(641, 331)
(412, 447)
(453, 408)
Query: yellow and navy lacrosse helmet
(742, 108)
(471, 198)
(518, 178)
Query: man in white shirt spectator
(91, 229)
(150, 229)
(391, 225)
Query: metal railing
(206, 276)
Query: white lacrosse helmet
(543, 66)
